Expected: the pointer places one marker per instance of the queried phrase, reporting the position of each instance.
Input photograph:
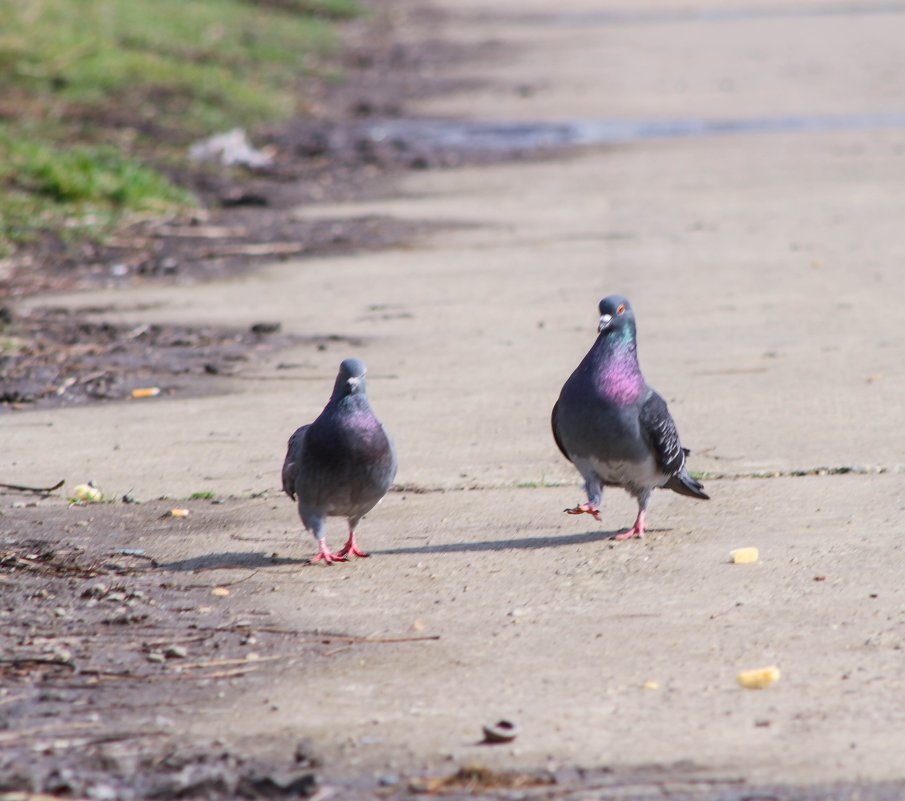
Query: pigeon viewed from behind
(613, 427)
(341, 464)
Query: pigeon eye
(621, 308)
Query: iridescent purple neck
(358, 413)
(619, 378)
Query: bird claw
(636, 530)
(351, 547)
(584, 508)
(327, 557)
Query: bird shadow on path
(230, 560)
(519, 544)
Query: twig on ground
(259, 249)
(39, 490)
(13, 736)
(35, 660)
(328, 638)
(224, 662)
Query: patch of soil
(104, 654)
(52, 357)
(56, 358)
(247, 216)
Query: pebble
(98, 590)
(175, 652)
(102, 792)
(62, 655)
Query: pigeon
(614, 428)
(341, 464)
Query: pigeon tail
(684, 484)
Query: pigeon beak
(355, 380)
(604, 322)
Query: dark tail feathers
(684, 484)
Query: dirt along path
(749, 203)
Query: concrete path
(765, 271)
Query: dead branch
(39, 490)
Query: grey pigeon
(613, 427)
(341, 464)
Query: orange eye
(620, 309)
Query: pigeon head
(350, 379)
(616, 315)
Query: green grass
(202, 496)
(91, 89)
(82, 189)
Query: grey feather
(612, 426)
(344, 462)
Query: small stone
(502, 731)
(156, 656)
(102, 792)
(266, 328)
(175, 652)
(97, 590)
(62, 655)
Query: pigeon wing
(554, 422)
(658, 427)
(293, 462)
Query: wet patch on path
(504, 137)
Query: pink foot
(328, 557)
(585, 508)
(635, 531)
(352, 548)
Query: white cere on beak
(604, 321)
(355, 380)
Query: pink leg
(635, 531)
(351, 547)
(328, 557)
(585, 508)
